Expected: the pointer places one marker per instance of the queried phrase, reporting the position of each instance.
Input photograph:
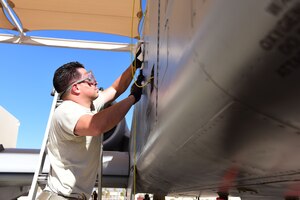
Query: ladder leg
(100, 170)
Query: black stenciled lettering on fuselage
(277, 6)
(271, 39)
(284, 26)
(289, 66)
(290, 45)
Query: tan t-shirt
(74, 159)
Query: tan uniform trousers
(47, 195)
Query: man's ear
(75, 89)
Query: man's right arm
(105, 120)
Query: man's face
(87, 84)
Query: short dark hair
(65, 75)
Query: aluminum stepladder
(42, 156)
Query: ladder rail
(42, 155)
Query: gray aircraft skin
(221, 114)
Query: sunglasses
(88, 78)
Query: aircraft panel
(225, 101)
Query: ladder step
(42, 179)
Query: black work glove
(135, 90)
(138, 60)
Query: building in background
(9, 129)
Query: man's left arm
(122, 82)
(119, 86)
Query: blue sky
(27, 72)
